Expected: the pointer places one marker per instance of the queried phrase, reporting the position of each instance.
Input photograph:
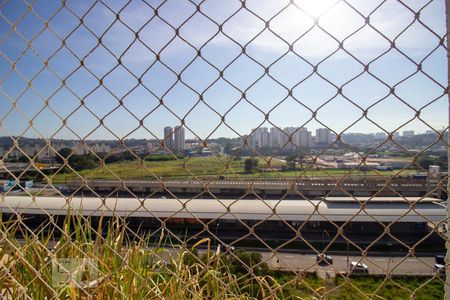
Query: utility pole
(447, 242)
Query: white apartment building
(289, 133)
(304, 138)
(275, 137)
(259, 138)
(80, 149)
(168, 137)
(179, 139)
(380, 135)
(101, 148)
(323, 136)
(408, 133)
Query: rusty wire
(221, 29)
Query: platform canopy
(244, 209)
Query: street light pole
(348, 258)
(215, 233)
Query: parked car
(439, 268)
(440, 259)
(324, 260)
(358, 268)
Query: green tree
(64, 153)
(83, 162)
(294, 159)
(250, 164)
(301, 155)
(77, 162)
(228, 149)
(291, 161)
(425, 162)
(443, 162)
(24, 159)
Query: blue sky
(289, 51)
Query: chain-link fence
(224, 149)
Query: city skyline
(270, 138)
(174, 138)
(161, 137)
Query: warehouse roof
(245, 209)
(382, 199)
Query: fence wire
(82, 83)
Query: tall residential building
(101, 148)
(275, 137)
(79, 149)
(254, 139)
(14, 153)
(283, 138)
(179, 140)
(408, 133)
(290, 133)
(259, 138)
(251, 140)
(323, 136)
(380, 135)
(30, 150)
(152, 146)
(265, 137)
(168, 137)
(304, 138)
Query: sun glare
(315, 8)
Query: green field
(363, 287)
(208, 167)
(378, 287)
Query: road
(377, 265)
(307, 262)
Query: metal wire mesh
(73, 74)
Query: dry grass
(130, 267)
(127, 267)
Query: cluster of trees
(250, 164)
(21, 159)
(77, 162)
(426, 161)
(89, 161)
(298, 158)
(163, 157)
(117, 157)
(295, 159)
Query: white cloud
(340, 21)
